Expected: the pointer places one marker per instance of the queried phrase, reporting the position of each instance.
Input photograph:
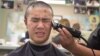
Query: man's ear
(25, 21)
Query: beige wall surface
(3, 25)
(58, 10)
(62, 10)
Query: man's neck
(42, 44)
(40, 48)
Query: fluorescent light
(54, 1)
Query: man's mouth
(40, 34)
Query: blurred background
(12, 27)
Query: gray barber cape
(28, 50)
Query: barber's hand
(66, 39)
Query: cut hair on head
(37, 4)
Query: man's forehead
(36, 11)
(40, 8)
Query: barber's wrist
(72, 47)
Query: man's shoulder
(59, 52)
(18, 51)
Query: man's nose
(40, 24)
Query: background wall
(3, 25)
(58, 10)
(63, 10)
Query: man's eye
(42, 20)
(35, 19)
(46, 20)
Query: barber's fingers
(62, 34)
(66, 38)
(65, 33)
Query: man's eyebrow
(42, 18)
(46, 18)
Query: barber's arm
(67, 41)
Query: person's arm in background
(67, 41)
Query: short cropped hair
(37, 4)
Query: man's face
(38, 24)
